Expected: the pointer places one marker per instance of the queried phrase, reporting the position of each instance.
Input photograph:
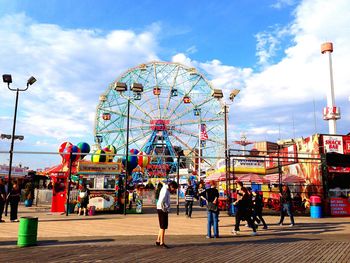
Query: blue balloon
(132, 162)
(84, 148)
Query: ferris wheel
(171, 107)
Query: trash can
(27, 231)
(315, 206)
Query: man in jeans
(211, 196)
(286, 205)
(163, 208)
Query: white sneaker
(291, 225)
(235, 233)
(253, 233)
(281, 224)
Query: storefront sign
(333, 144)
(15, 171)
(249, 165)
(90, 167)
(340, 207)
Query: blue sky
(268, 49)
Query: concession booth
(102, 179)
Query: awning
(252, 178)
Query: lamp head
(31, 81)
(234, 93)
(217, 94)
(7, 78)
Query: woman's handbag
(212, 207)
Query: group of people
(12, 198)
(248, 207)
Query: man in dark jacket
(257, 208)
(286, 205)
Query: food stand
(337, 149)
(102, 180)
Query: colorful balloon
(84, 149)
(98, 156)
(132, 163)
(111, 150)
(75, 150)
(143, 159)
(63, 150)
(134, 151)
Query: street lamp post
(218, 94)
(7, 78)
(137, 88)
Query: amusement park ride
(166, 105)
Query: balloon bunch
(73, 153)
(107, 154)
(136, 158)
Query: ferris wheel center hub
(160, 125)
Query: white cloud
(302, 74)
(289, 86)
(73, 67)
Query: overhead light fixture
(234, 93)
(217, 93)
(7, 78)
(31, 81)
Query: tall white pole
(331, 113)
(330, 97)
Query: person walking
(2, 199)
(211, 196)
(163, 208)
(84, 194)
(200, 190)
(189, 196)
(243, 204)
(257, 208)
(14, 197)
(286, 205)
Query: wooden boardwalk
(118, 238)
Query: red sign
(159, 125)
(346, 143)
(333, 144)
(340, 207)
